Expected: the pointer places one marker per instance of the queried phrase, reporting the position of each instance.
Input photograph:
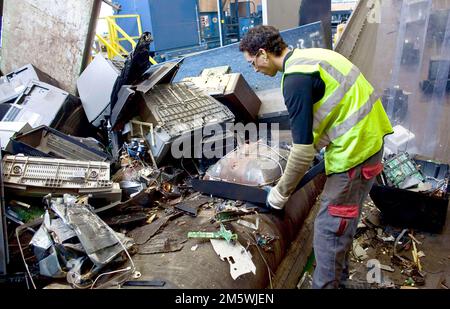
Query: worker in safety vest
(330, 105)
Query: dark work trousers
(336, 222)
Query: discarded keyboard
(36, 174)
(178, 109)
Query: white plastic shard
(240, 260)
(249, 224)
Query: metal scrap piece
(41, 242)
(248, 224)
(161, 245)
(62, 232)
(50, 266)
(127, 219)
(96, 237)
(192, 206)
(240, 260)
(143, 233)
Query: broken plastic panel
(124, 107)
(95, 85)
(47, 142)
(236, 255)
(213, 83)
(40, 104)
(232, 90)
(255, 164)
(8, 130)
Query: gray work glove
(275, 199)
(298, 163)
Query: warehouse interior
(139, 146)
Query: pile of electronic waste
(79, 174)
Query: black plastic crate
(409, 209)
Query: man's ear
(263, 53)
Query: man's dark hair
(266, 37)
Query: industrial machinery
(437, 68)
(237, 20)
(179, 27)
(173, 24)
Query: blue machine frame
(179, 28)
(173, 24)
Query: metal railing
(116, 35)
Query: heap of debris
(410, 197)
(385, 256)
(90, 181)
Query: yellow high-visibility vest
(349, 120)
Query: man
(330, 105)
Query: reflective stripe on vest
(354, 118)
(345, 83)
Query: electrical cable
(195, 165)
(182, 165)
(273, 149)
(23, 258)
(132, 268)
(255, 243)
(109, 273)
